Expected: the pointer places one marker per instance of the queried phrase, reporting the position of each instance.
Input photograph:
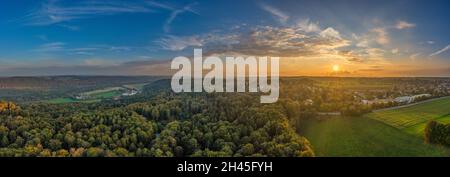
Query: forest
(158, 123)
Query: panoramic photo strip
(176, 84)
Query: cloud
(70, 27)
(308, 26)
(174, 12)
(341, 73)
(145, 57)
(351, 56)
(370, 54)
(266, 41)
(440, 51)
(394, 51)
(84, 50)
(91, 67)
(404, 25)
(160, 5)
(99, 62)
(382, 36)
(51, 47)
(174, 15)
(54, 12)
(83, 53)
(174, 43)
(280, 16)
(42, 37)
(363, 43)
(330, 33)
(414, 56)
(371, 70)
(421, 72)
(119, 48)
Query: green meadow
(413, 119)
(395, 132)
(70, 100)
(363, 137)
(106, 94)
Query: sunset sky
(312, 38)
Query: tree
(94, 152)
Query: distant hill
(25, 89)
(58, 82)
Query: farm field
(419, 128)
(359, 136)
(101, 91)
(413, 119)
(136, 86)
(61, 100)
(69, 100)
(94, 96)
(106, 94)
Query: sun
(335, 68)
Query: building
(404, 99)
(410, 99)
(130, 92)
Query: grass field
(94, 96)
(364, 137)
(99, 91)
(414, 118)
(70, 100)
(98, 95)
(136, 86)
(106, 94)
(61, 100)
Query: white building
(404, 99)
(409, 99)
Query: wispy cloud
(42, 37)
(94, 66)
(280, 15)
(83, 50)
(404, 25)
(440, 51)
(394, 51)
(414, 56)
(70, 27)
(54, 12)
(99, 62)
(51, 47)
(175, 43)
(382, 36)
(175, 12)
(83, 53)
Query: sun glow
(335, 68)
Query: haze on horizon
(140, 37)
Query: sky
(140, 37)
